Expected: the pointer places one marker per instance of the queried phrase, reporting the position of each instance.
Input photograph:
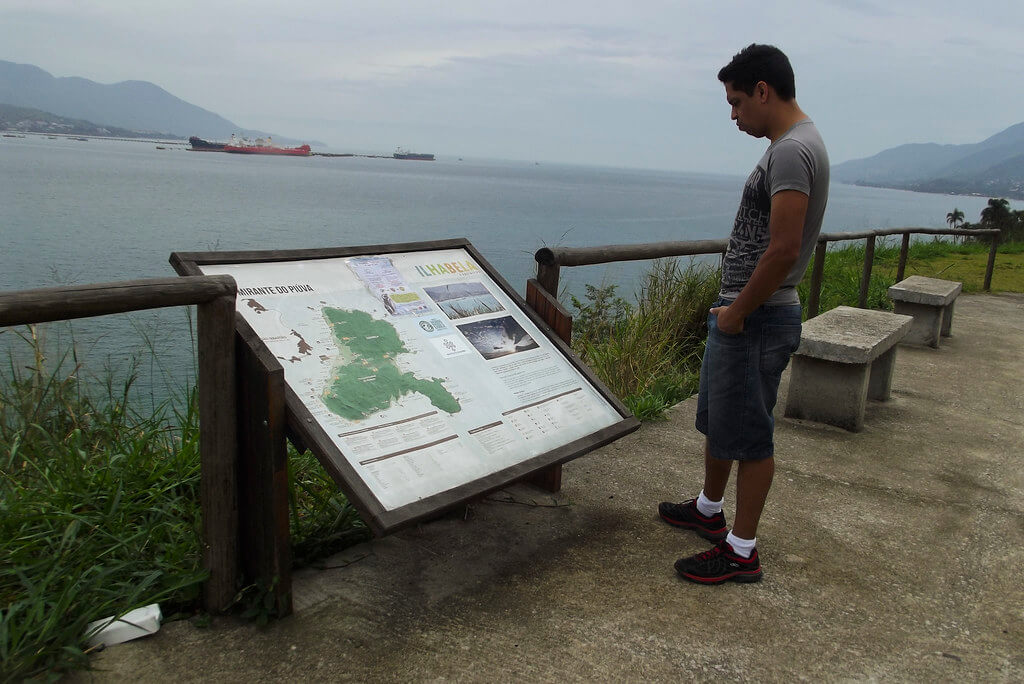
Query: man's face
(746, 110)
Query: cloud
(568, 81)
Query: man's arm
(785, 229)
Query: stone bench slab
(930, 302)
(922, 290)
(846, 357)
(849, 335)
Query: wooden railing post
(547, 276)
(817, 274)
(904, 250)
(991, 261)
(865, 279)
(218, 449)
(550, 310)
(546, 304)
(264, 535)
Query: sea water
(77, 212)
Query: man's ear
(762, 91)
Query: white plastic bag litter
(132, 625)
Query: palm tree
(954, 218)
(997, 215)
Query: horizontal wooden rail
(551, 259)
(884, 232)
(585, 256)
(82, 301)
(605, 254)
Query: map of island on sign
(367, 380)
(419, 370)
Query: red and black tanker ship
(261, 146)
(246, 146)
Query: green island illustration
(366, 378)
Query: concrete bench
(846, 356)
(930, 302)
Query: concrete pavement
(890, 554)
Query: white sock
(707, 507)
(742, 547)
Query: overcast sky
(626, 83)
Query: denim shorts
(739, 382)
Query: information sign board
(414, 372)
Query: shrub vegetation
(648, 353)
(99, 511)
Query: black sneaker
(720, 564)
(686, 515)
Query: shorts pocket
(713, 326)
(778, 342)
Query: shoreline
(1015, 195)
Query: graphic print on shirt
(750, 234)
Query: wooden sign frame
(305, 431)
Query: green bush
(842, 275)
(99, 511)
(648, 354)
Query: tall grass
(844, 263)
(842, 275)
(648, 353)
(99, 509)
(323, 521)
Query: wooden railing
(215, 300)
(551, 259)
(869, 238)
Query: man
(755, 326)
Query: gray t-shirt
(796, 161)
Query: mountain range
(136, 106)
(29, 120)
(993, 167)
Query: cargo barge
(419, 156)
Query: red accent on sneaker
(740, 575)
(683, 523)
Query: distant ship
(200, 145)
(405, 154)
(261, 146)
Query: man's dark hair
(760, 63)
